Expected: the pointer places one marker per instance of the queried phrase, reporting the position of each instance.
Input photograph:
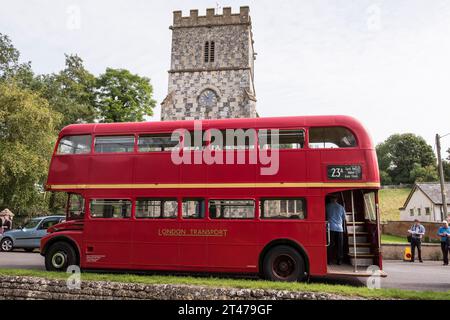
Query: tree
(123, 97)
(446, 165)
(10, 67)
(27, 137)
(424, 174)
(71, 92)
(385, 178)
(400, 154)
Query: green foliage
(446, 166)
(385, 178)
(34, 108)
(10, 67)
(27, 137)
(424, 174)
(71, 92)
(400, 154)
(123, 97)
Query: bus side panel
(237, 250)
(69, 169)
(290, 166)
(111, 168)
(155, 245)
(155, 167)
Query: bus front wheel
(60, 256)
(284, 263)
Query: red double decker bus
(133, 205)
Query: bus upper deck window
(114, 144)
(331, 137)
(158, 142)
(281, 139)
(74, 145)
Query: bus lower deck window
(193, 209)
(283, 209)
(105, 208)
(232, 209)
(156, 209)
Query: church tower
(212, 67)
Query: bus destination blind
(348, 172)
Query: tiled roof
(433, 191)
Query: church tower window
(209, 50)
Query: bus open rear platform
(349, 271)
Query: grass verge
(390, 202)
(242, 283)
(389, 239)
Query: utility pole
(444, 213)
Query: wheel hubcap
(58, 260)
(283, 266)
(7, 245)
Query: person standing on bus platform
(336, 220)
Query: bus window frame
(88, 210)
(135, 135)
(138, 134)
(282, 129)
(256, 208)
(68, 203)
(193, 199)
(55, 151)
(135, 200)
(305, 208)
(356, 147)
(255, 139)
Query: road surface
(430, 275)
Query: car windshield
(32, 223)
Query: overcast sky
(385, 62)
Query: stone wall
(229, 86)
(395, 251)
(400, 229)
(39, 288)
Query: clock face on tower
(208, 98)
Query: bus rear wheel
(60, 256)
(284, 263)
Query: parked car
(29, 236)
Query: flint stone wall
(229, 76)
(31, 288)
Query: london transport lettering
(192, 232)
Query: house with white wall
(425, 203)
